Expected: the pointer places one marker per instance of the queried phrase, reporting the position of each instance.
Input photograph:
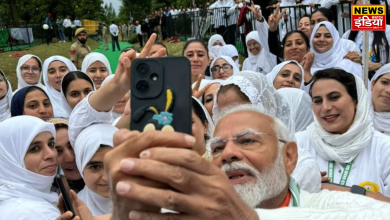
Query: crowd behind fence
(200, 23)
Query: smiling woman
(28, 160)
(97, 67)
(54, 69)
(32, 101)
(90, 147)
(330, 51)
(342, 136)
(288, 74)
(29, 71)
(380, 96)
(223, 67)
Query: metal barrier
(203, 23)
(15, 36)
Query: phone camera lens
(142, 87)
(143, 69)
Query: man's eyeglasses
(33, 69)
(225, 67)
(245, 139)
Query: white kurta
(370, 169)
(333, 205)
(25, 209)
(83, 115)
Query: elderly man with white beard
(249, 177)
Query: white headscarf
(21, 82)
(64, 103)
(5, 102)
(214, 50)
(54, 95)
(93, 57)
(335, 56)
(300, 105)
(227, 59)
(343, 148)
(381, 119)
(264, 60)
(16, 135)
(275, 71)
(261, 94)
(230, 51)
(86, 146)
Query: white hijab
(214, 50)
(230, 51)
(264, 61)
(87, 144)
(381, 119)
(16, 181)
(335, 56)
(5, 102)
(227, 59)
(21, 82)
(64, 103)
(260, 93)
(343, 148)
(92, 58)
(275, 71)
(300, 106)
(54, 95)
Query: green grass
(8, 62)
(112, 57)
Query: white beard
(269, 183)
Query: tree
(36, 10)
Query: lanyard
(345, 175)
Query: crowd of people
(290, 133)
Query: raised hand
(274, 19)
(257, 12)
(195, 91)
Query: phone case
(65, 196)
(168, 103)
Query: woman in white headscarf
(215, 44)
(380, 99)
(28, 166)
(5, 97)
(260, 59)
(288, 74)
(300, 105)
(54, 69)
(230, 51)
(29, 71)
(96, 66)
(91, 146)
(342, 137)
(251, 87)
(223, 67)
(329, 51)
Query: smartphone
(161, 94)
(64, 189)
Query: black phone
(65, 196)
(161, 94)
